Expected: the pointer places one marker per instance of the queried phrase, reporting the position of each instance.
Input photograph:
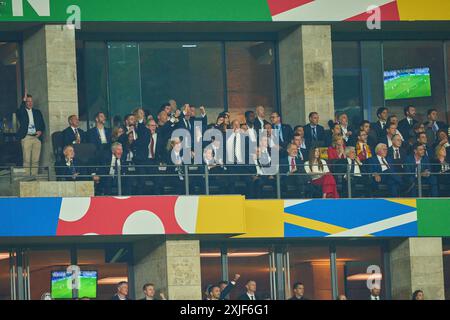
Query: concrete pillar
(55, 189)
(306, 74)
(417, 263)
(50, 75)
(173, 266)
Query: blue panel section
(29, 216)
(348, 213)
(291, 230)
(405, 230)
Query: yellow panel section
(405, 201)
(264, 219)
(424, 9)
(221, 215)
(312, 224)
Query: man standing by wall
(30, 133)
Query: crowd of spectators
(149, 156)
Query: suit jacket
(62, 169)
(69, 136)
(116, 297)
(405, 128)
(411, 166)
(94, 136)
(295, 298)
(22, 116)
(226, 291)
(285, 165)
(104, 165)
(374, 166)
(142, 146)
(245, 297)
(320, 131)
(258, 124)
(376, 128)
(391, 155)
(287, 133)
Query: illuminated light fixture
(4, 255)
(446, 252)
(111, 280)
(189, 46)
(234, 254)
(365, 277)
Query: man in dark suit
(73, 134)
(412, 166)
(150, 152)
(346, 129)
(405, 126)
(106, 173)
(391, 130)
(251, 291)
(30, 133)
(299, 142)
(129, 127)
(100, 135)
(299, 292)
(382, 171)
(397, 153)
(378, 128)
(149, 293)
(222, 290)
(314, 132)
(291, 168)
(375, 293)
(122, 291)
(284, 131)
(433, 125)
(67, 169)
(353, 165)
(260, 122)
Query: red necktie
(364, 151)
(292, 164)
(152, 144)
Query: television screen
(407, 83)
(61, 286)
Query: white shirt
(261, 121)
(374, 298)
(113, 164)
(290, 162)
(252, 134)
(230, 145)
(251, 296)
(154, 137)
(394, 149)
(383, 166)
(31, 126)
(357, 171)
(389, 141)
(316, 169)
(102, 135)
(344, 132)
(398, 132)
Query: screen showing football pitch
(62, 284)
(407, 83)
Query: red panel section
(389, 12)
(279, 6)
(107, 215)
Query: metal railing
(243, 179)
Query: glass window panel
(189, 72)
(400, 55)
(109, 274)
(250, 77)
(42, 263)
(311, 266)
(92, 80)
(211, 266)
(124, 78)
(251, 264)
(352, 264)
(347, 80)
(447, 114)
(5, 281)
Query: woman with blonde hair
(318, 170)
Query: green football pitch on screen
(407, 85)
(61, 288)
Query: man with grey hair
(383, 172)
(106, 174)
(351, 164)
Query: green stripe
(148, 10)
(433, 217)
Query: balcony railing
(242, 179)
